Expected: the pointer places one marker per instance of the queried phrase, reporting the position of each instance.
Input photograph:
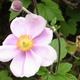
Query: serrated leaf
(54, 44)
(64, 68)
(50, 10)
(68, 27)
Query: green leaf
(42, 71)
(71, 48)
(49, 10)
(26, 3)
(3, 73)
(13, 15)
(45, 77)
(68, 27)
(6, 78)
(68, 77)
(53, 22)
(74, 14)
(55, 77)
(54, 44)
(51, 77)
(62, 77)
(64, 68)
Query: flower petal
(18, 26)
(47, 53)
(45, 37)
(10, 40)
(17, 64)
(32, 64)
(7, 53)
(35, 24)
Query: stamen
(25, 43)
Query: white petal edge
(7, 53)
(17, 65)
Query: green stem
(59, 50)
(27, 11)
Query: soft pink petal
(17, 65)
(48, 54)
(45, 37)
(35, 24)
(10, 40)
(18, 26)
(7, 53)
(32, 64)
(31, 25)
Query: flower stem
(36, 7)
(75, 56)
(27, 11)
(59, 50)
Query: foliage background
(65, 16)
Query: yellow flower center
(25, 43)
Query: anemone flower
(28, 46)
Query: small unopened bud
(16, 6)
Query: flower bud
(16, 6)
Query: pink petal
(7, 53)
(45, 37)
(32, 64)
(18, 26)
(35, 24)
(47, 53)
(10, 40)
(17, 65)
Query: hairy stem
(27, 11)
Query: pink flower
(28, 46)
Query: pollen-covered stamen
(25, 43)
